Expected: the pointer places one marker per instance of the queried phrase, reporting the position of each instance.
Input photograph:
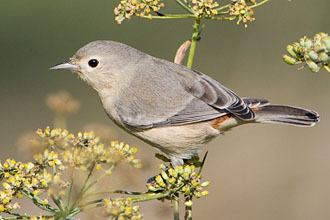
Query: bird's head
(99, 63)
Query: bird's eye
(93, 63)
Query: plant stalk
(194, 40)
(176, 209)
(188, 214)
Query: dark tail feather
(281, 114)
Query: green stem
(223, 7)
(148, 197)
(259, 4)
(70, 188)
(168, 16)
(37, 201)
(176, 209)
(115, 192)
(141, 198)
(184, 6)
(193, 42)
(82, 190)
(188, 214)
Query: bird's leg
(176, 161)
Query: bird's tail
(281, 114)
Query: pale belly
(185, 140)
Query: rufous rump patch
(215, 123)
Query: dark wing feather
(220, 97)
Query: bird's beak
(64, 66)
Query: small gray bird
(171, 107)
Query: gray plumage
(168, 105)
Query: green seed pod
(327, 68)
(326, 42)
(324, 57)
(313, 56)
(289, 60)
(298, 50)
(313, 66)
(291, 51)
(306, 43)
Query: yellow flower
(128, 8)
(2, 208)
(205, 8)
(242, 11)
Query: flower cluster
(62, 151)
(29, 179)
(128, 8)
(85, 150)
(181, 179)
(314, 52)
(241, 10)
(204, 8)
(121, 209)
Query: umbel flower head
(242, 11)
(314, 53)
(181, 179)
(85, 150)
(44, 178)
(204, 8)
(121, 208)
(128, 8)
(31, 179)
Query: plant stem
(38, 201)
(183, 5)
(148, 197)
(141, 198)
(188, 214)
(259, 4)
(193, 42)
(176, 209)
(168, 16)
(82, 190)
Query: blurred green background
(258, 171)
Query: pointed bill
(64, 66)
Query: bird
(173, 108)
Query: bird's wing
(175, 95)
(219, 97)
